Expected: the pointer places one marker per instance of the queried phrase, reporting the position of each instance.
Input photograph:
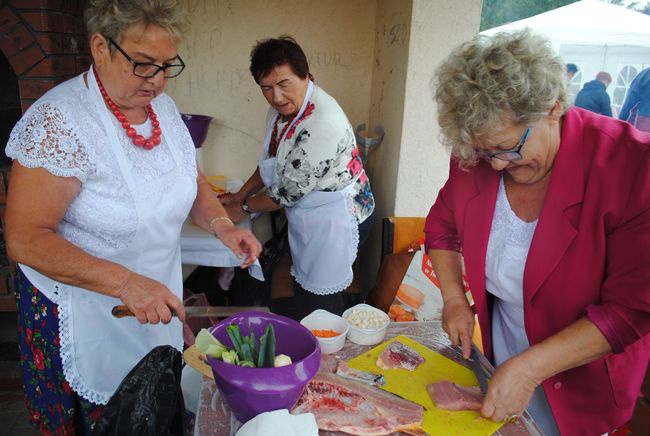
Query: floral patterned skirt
(53, 406)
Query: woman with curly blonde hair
(550, 208)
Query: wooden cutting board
(196, 359)
(412, 385)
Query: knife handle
(121, 311)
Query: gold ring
(509, 419)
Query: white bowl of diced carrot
(329, 329)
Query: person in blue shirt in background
(571, 70)
(636, 109)
(593, 96)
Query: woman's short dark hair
(273, 52)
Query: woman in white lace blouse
(311, 168)
(104, 175)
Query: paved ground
(13, 414)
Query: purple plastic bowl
(251, 391)
(198, 126)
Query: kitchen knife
(198, 311)
(474, 363)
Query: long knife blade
(199, 311)
(474, 363)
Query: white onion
(366, 319)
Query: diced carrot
(396, 309)
(325, 333)
(406, 316)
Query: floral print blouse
(319, 153)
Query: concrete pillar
(411, 165)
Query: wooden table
(214, 417)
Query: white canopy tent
(596, 36)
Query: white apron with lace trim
(323, 229)
(97, 349)
(323, 238)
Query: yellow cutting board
(412, 385)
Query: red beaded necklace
(275, 140)
(138, 140)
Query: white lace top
(510, 239)
(60, 133)
(508, 246)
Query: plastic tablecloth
(199, 247)
(215, 419)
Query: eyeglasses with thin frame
(507, 155)
(146, 70)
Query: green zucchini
(270, 347)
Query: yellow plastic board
(412, 385)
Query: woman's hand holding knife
(149, 300)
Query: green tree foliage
(498, 12)
(638, 6)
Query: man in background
(593, 96)
(571, 70)
(636, 109)
(572, 88)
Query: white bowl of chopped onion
(368, 324)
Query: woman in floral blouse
(310, 167)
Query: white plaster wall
(390, 61)
(411, 165)
(437, 27)
(376, 57)
(336, 35)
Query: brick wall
(45, 43)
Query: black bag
(149, 401)
(273, 250)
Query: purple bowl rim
(197, 115)
(219, 362)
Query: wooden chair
(399, 234)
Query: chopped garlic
(366, 319)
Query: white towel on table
(280, 423)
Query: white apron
(323, 238)
(97, 349)
(323, 230)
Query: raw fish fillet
(356, 374)
(355, 408)
(327, 363)
(450, 396)
(397, 355)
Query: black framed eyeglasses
(507, 155)
(147, 70)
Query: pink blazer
(590, 255)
